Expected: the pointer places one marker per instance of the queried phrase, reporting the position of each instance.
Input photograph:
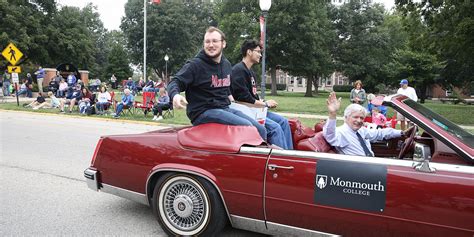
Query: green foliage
(299, 36)
(48, 35)
(450, 28)
(342, 88)
(175, 28)
(363, 44)
(118, 63)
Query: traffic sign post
(16, 80)
(12, 54)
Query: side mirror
(422, 152)
(422, 157)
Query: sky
(112, 11)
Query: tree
(450, 26)
(298, 35)
(118, 63)
(362, 47)
(175, 28)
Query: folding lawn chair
(147, 103)
(169, 113)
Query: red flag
(262, 21)
(156, 1)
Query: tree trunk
(422, 93)
(309, 86)
(274, 80)
(315, 83)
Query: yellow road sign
(12, 69)
(12, 54)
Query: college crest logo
(321, 181)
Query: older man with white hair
(352, 138)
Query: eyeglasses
(258, 51)
(208, 42)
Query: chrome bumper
(91, 179)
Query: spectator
(140, 85)
(127, 102)
(94, 85)
(6, 83)
(54, 102)
(409, 92)
(103, 100)
(358, 93)
(206, 81)
(378, 118)
(370, 106)
(113, 81)
(86, 101)
(62, 88)
(23, 88)
(149, 86)
(163, 104)
(58, 77)
(39, 78)
(131, 85)
(71, 80)
(72, 97)
(39, 100)
(29, 85)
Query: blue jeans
(6, 88)
(120, 108)
(230, 117)
(279, 132)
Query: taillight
(96, 150)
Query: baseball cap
(404, 82)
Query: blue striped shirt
(345, 140)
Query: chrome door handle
(274, 167)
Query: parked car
(198, 179)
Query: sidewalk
(12, 99)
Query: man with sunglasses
(244, 90)
(206, 81)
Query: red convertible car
(199, 179)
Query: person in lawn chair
(162, 104)
(127, 102)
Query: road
(43, 191)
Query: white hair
(126, 91)
(370, 96)
(352, 108)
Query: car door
(361, 196)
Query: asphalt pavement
(43, 191)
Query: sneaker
(116, 116)
(159, 118)
(62, 111)
(154, 117)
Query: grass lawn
(293, 102)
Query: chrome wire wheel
(184, 205)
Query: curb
(94, 118)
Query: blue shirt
(164, 99)
(40, 73)
(345, 140)
(128, 100)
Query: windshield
(443, 123)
